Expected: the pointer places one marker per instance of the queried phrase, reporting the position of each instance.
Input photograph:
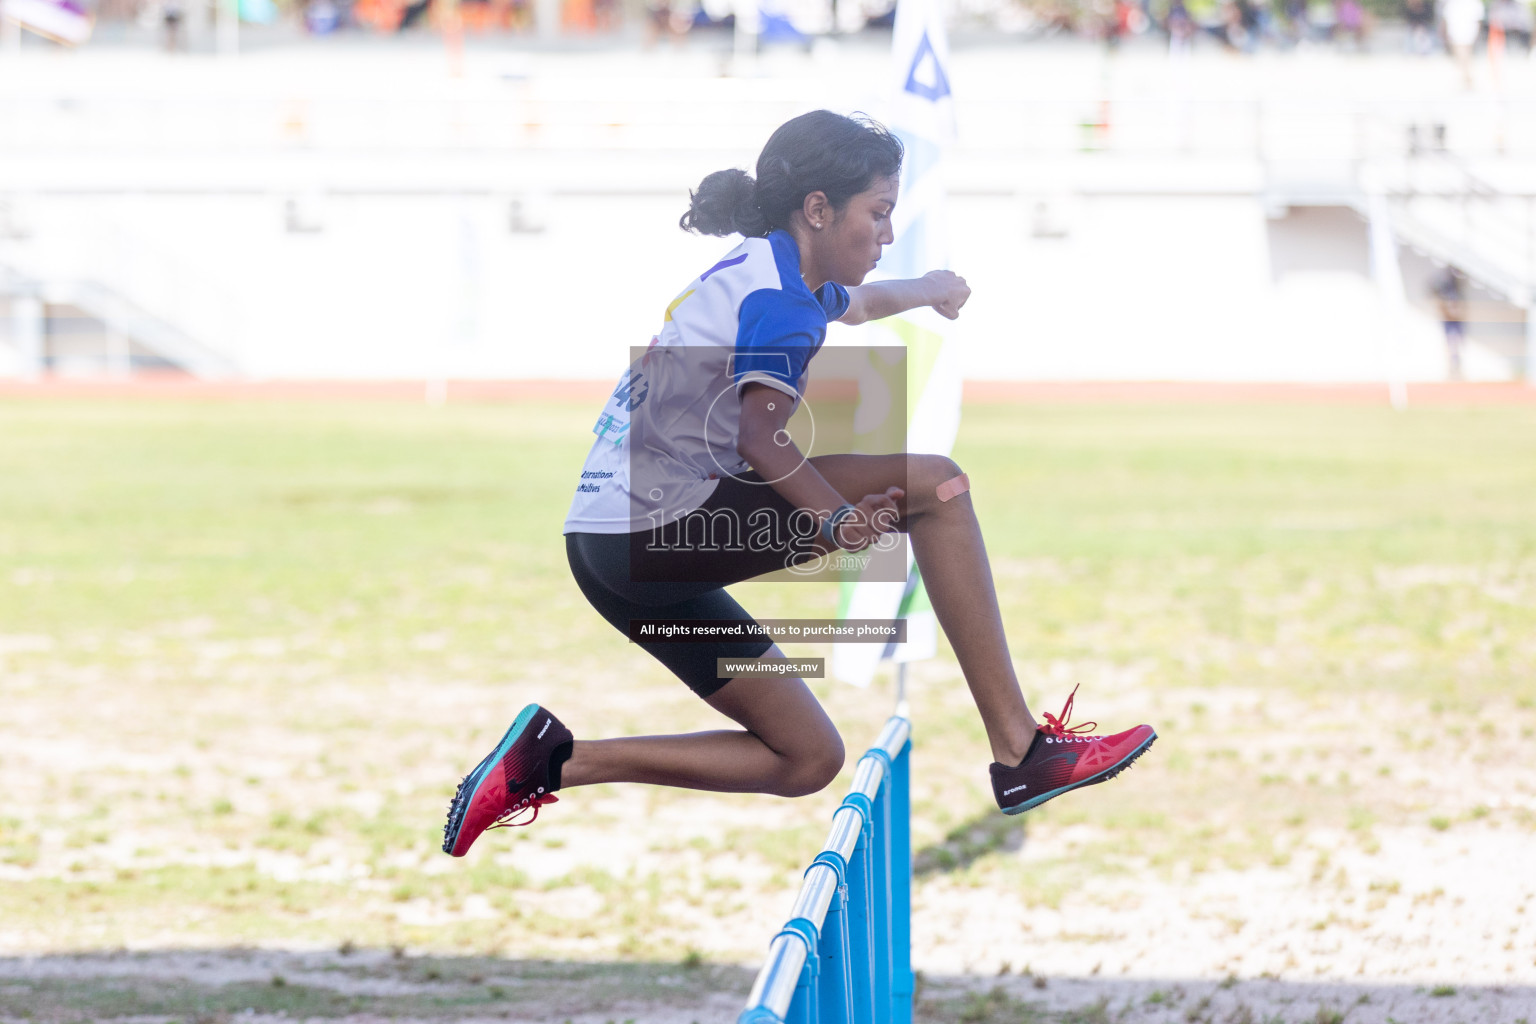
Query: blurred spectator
(1119, 20)
(413, 12)
(1264, 21)
(666, 18)
(1420, 18)
(1246, 26)
(886, 18)
(1462, 21)
(378, 15)
(475, 16)
(321, 17)
(1181, 28)
(1512, 18)
(1322, 19)
(1297, 27)
(718, 16)
(578, 15)
(171, 16)
(1349, 21)
(1449, 287)
(1229, 25)
(1058, 18)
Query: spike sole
(464, 795)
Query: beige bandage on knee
(955, 487)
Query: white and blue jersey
(669, 431)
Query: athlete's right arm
(766, 445)
(944, 290)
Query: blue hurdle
(845, 955)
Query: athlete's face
(854, 237)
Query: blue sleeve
(834, 300)
(775, 338)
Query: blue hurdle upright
(845, 955)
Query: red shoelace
(508, 820)
(1058, 726)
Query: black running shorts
(681, 573)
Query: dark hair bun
(725, 203)
(815, 152)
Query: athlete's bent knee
(933, 481)
(811, 773)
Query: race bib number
(613, 422)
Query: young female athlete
(695, 436)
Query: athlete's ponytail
(725, 203)
(816, 152)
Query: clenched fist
(950, 292)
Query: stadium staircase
(1441, 207)
(1476, 215)
(82, 326)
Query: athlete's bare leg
(947, 543)
(789, 747)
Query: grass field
(247, 649)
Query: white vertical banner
(921, 113)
